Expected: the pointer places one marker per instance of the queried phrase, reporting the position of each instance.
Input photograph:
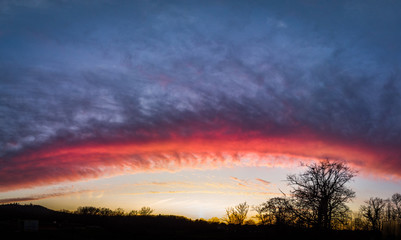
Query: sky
(190, 107)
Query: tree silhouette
(88, 210)
(261, 214)
(373, 211)
(396, 202)
(133, 213)
(145, 211)
(105, 212)
(320, 193)
(237, 214)
(274, 211)
(213, 220)
(118, 212)
(389, 211)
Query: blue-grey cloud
(136, 71)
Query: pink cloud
(61, 162)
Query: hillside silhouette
(33, 211)
(64, 225)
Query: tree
(145, 211)
(261, 214)
(373, 212)
(213, 220)
(320, 192)
(388, 211)
(133, 213)
(87, 210)
(342, 217)
(236, 215)
(274, 211)
(396, 201)
(105, 212)
(118, 212)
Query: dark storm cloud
(140, 71)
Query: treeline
(377, 211)
(102, 211)
(373, 215)
(318, 200)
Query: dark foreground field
(59, 225)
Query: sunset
(193, 107)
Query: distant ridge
(33, 211)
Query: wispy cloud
(205, 192)
(264, 181)
(253, 184)
(36, 197)
(239, 187)
(240, 182)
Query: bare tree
(133, 213)
(88, 210)
(105, 212)
(342, 218)
(262, 215)
(274, 211)
(118, 212)
(237, 214)
(373, 212)
(396, 202)
(280, 209)
(145, 211)
(388, 211)
(320, 192)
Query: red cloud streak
(85, 160)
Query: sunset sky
(190, 107)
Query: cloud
(240, 182)
(36, 197)
(204, 192)
(211, 187)
(263, 181)
(148, 87)
(258, 185)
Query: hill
(25, 211)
